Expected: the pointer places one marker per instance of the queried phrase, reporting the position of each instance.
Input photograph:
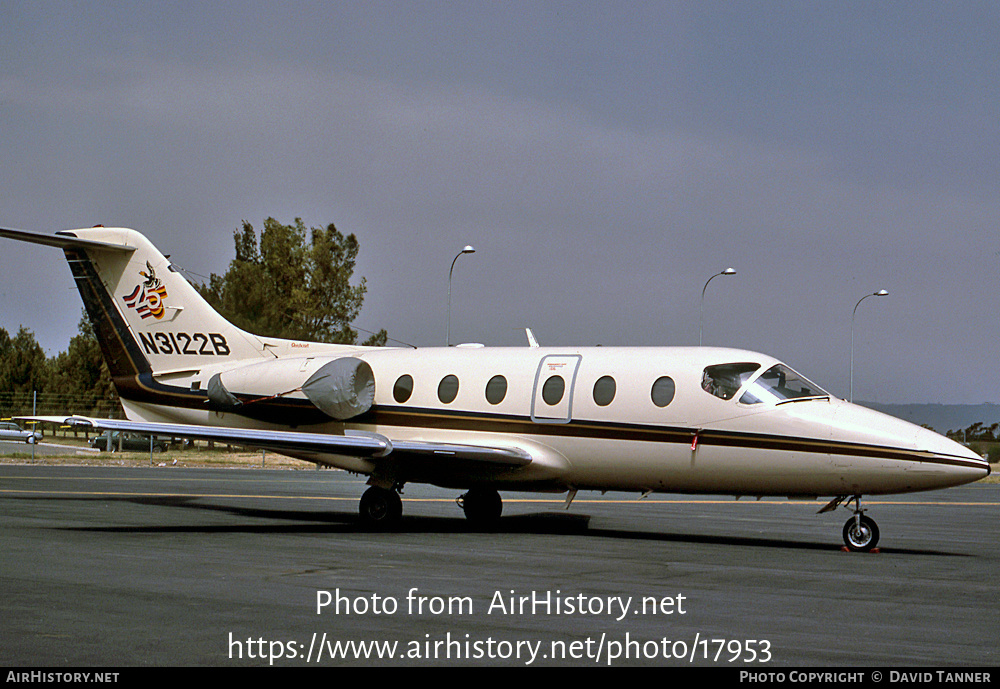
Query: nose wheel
(860, 531)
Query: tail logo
(147, 297)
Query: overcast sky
(604, 158)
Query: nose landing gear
(860, 532)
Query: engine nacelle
(341, 388)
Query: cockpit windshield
(725, 380)
(780, 384)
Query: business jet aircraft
(555, 419)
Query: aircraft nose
(938, 461)
(854, 423)
(962, 458)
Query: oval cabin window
(604, 391)
(403, 388)
(496, 389)
(552, 391)
(448, 389)
(663, 391)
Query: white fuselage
(605, 431)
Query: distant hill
(941, 417)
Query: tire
(861, 537)
(380, 507)
(482, 506)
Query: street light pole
(701, 323)
(466, 250)
(880, 293)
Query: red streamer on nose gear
(694, 443)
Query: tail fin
(147, 317)
(155, 317)
(163, 343)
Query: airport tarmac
(44, 448)
(112, 567)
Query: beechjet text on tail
(481, 419)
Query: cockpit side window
(779, 384)
(725, 380)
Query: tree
(22, 362)
(23, 370)
(81, 376)
(292, 286)
(4, 352)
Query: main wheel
(482, 506)
(380, 507)
(861, 535)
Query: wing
(354, 444)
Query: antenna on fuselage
(388, 339)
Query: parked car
(129, 442)
(11, 431)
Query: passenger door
(552, 393)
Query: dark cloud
(604, 162)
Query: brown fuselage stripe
(302, 413)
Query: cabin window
(448, 389)
(663, 391)
(725, 380)
(553, 389)
(778, 384)
(403, 388)
(496, 389)
(604, 391)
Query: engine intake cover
(342, 388)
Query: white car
(11, 431)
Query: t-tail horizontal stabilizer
(63, 240)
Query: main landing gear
(860, 531)
(482, 506)
(382, 507)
